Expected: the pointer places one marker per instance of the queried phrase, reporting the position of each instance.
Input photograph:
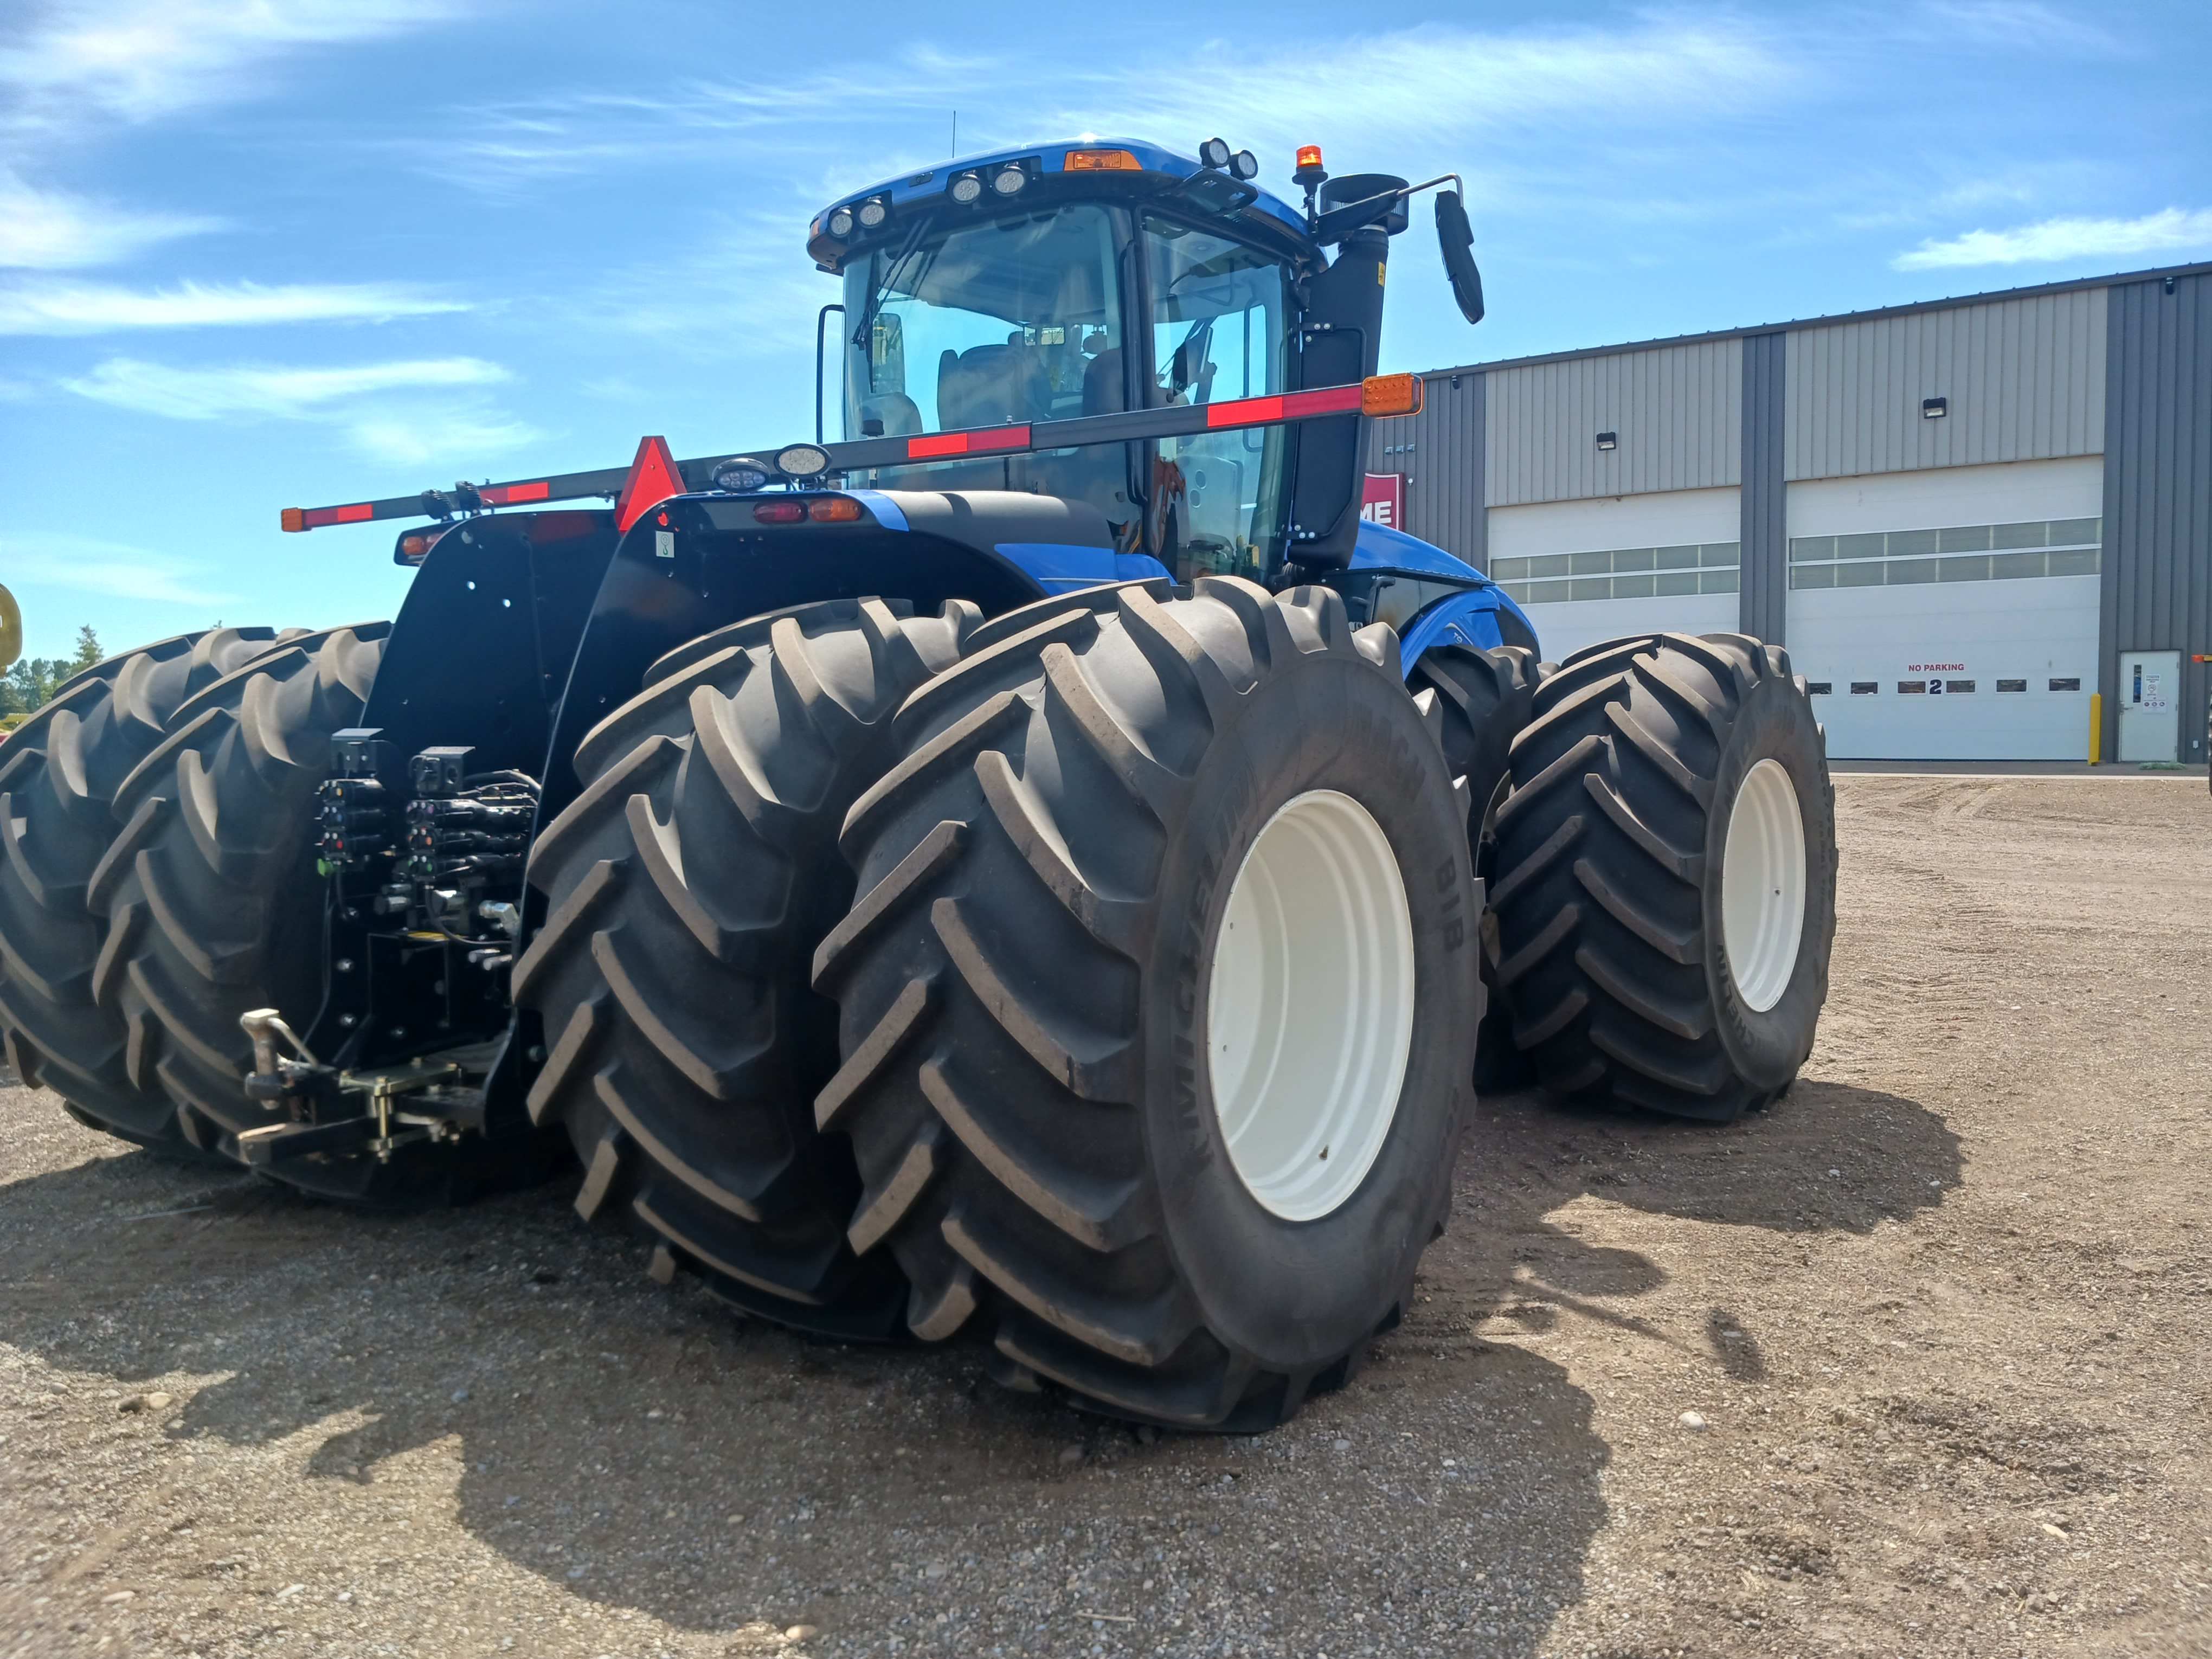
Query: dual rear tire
(1146, 861)
(1666, 876)
(685, 890)
(61, 1013)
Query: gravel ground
(1913, 1363)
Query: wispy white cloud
(136, 59)
(253, 389)
(1436, 85)
(53, 230)
(2002, 23)
(89, 565)
(407, 412)
(2171, 230)
(52, 307)
(420, 437)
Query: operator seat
(989, 386)
(1103, 393)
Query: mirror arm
(1340, 221)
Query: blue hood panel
(1381, 548)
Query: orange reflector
(785, 511)
(1100, 160)
(1309, 155)
(1390, 394)
(833, 509)
(295, 518)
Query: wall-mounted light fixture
(1608, 441)
(1934, 408)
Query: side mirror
(1457, 240)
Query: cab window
(1005, 321)
(1220, 321)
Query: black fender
(698, 563)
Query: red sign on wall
(1383, 499)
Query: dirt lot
(1941, 1311)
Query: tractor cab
(1089, 278)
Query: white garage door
(1950, 613)
(1591, 570)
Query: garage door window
(1620, 573)
(1957, 553)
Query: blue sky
(258, 253)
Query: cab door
(1220, 322)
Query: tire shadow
(650, 1452)
(1827, 1158)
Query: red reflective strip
(507, 494)
(931, 444)
(1288, 406)
(1238, 411)
(1328, 400)
(322, 515)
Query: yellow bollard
(2096, 728)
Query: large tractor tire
(212, 906)
(1485, 697)
(59, 772)
(1154, 998)
(686, 889)
(1666, 892)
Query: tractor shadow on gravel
(1827, 1157)
(648, 1450)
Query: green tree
(26, 687)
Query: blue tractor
(1034, 866)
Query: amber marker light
(1390, 394)
(1100, 160)
(833, 509)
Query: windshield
(1013, 321)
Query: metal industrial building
(1963, 517)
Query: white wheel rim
(1763, 886)
(1310, 1005)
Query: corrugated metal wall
(2158, 490)
(1441, 452)
(1763, 539)
(2025, 379)
(1674, 409)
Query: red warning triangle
(653, 479)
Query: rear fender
(696, 563)
(1483, 617)
(480, 652)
